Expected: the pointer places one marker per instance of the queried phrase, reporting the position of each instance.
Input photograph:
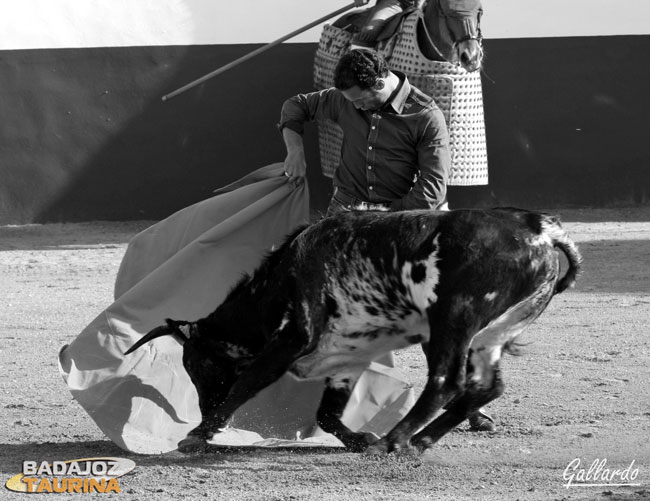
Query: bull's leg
(211, 378)
(335, 398)
(446, 358)
(276, 359)
(484, 382)
(478, 419)
(475, 396)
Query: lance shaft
(256, 52)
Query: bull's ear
(181, 328)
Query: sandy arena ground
(580, 390)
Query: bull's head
(212, 364)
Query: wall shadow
(172, 154)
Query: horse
(439, 48)
(447, 30)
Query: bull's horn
(163, 330)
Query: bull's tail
(180, 330)
(561, 240)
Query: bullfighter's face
(366, 99)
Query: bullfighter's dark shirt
(398, 154)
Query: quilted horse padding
(457, 92)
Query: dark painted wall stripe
(566, 120)
(85, 136)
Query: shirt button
(370, 188)
(370, 147)
(370, 167)
(373, 127)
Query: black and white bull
(352, 287)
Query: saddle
(354, 21)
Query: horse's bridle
(470, 32)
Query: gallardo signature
(599, 475)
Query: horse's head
(454, 29)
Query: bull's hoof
(360, 442)
(480, 421)
(384, 446)
(422, 444)
(377, 449)
(193, 444)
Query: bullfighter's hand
(360, 3)
(295, 167)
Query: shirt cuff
(294, 125)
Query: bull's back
(410, 235)
(396, 264)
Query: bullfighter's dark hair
(360, 67)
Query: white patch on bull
(490, 296)
(236, 351)
(539, 244)
(395, 257)
(546, 235)
(305, 308)
(422, 293)
(369, 321)
(283, 322)
(487, 346)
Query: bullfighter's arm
(434, 164)
(298, 110)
